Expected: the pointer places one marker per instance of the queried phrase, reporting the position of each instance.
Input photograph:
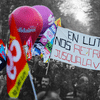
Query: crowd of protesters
(56, 81)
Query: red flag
(17, 67)
(29, 41)
(29, 53)
(2, 43)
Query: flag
(47, 42)
(29, 52)
(2, 52)
(58, 22)
(2, 43)
(44, 45)
(17, 67)
(25, 47)
(2, 63)
(39, 46)
(29, 41)
(2, 57)
(6, 49)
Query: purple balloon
(47, 16)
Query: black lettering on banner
(69, 35)
(56, 39)
(98, 42)
(23, 75)
(84, 40)
(63, 43)
(72, 36)
(19, 82)
(68, 45)
(90, 42)
(17, 87)
(15, 92)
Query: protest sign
(49, 35)
(76, 48)
(43, 46)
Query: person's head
(83, 79)
(45, 81)
(52, 95)
(41, 63)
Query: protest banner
(17, 66)
(76, 48)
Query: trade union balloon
(47, 16)
(28, 22)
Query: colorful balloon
(47, 16)
(28, 22)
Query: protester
(98, 94)
(26, 92)
(64, 90)
(40, 69)
(4, 95)
(50, 95)
(45, 84)
(82, 87)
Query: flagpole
(33, 87)
(47, 67)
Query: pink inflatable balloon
(47, 16)
(28, 22)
